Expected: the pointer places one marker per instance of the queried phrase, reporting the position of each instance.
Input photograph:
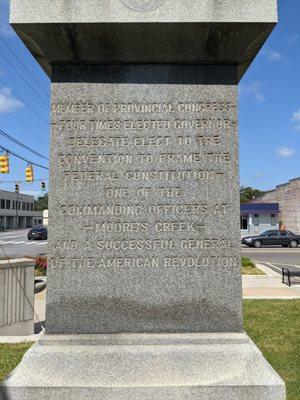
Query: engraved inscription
(144, 174)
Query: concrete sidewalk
(39, 306)
(269, 286)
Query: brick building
(288, 197)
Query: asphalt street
(274, 257)
(16, 244)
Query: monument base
(144, 367)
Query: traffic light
(43, 186)
(4, 163)
(17, 188)
(29, 173)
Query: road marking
(37, 243)
(11, 236)
(277, 263)
(277, 269)
(271, 265)
(275, 251)
(287, 265)
(13, 242)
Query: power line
(22, 77)
(6, 135)
(28, 130)
(20, 181)
(22, 158)
(24, 66)
(29, 106)
(35, 121)
(12, 139)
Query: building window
(273, 219)
(244, 222)
(23, 206)
(31, 206)
(256, 220)
(2, 204)
(27, 206)
(8, 204)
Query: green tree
(249, 193)
(41, 203)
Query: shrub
(246, 262)
(41, 266)
(249, 267)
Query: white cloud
(8, 102)
(285, 152)
(271, 55)
(293, 39)
(252, 89)
(35, 193)
(296, 118)
(258, 174)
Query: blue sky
(269, 109)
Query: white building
(45, 218)
(260, 217)
(16, 211)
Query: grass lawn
(249, 268)
(272, 324)
(10, 356)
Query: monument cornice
(177, 32)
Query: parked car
(38, 232)
(274, 237)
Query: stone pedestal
(147, 188)
(143, 367)
(144, 239)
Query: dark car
(272, 238)
(38, 232)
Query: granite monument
(144, 286)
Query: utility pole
(17, 208)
